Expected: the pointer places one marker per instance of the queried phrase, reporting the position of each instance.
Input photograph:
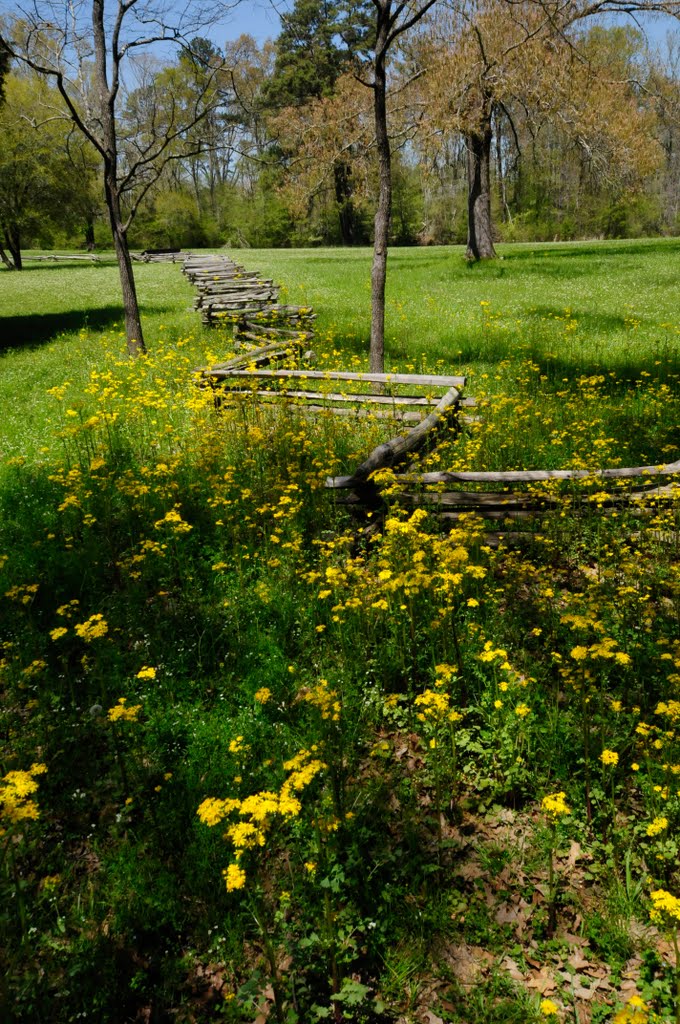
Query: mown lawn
(259, 763)
(578, 308)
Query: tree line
(419, 122)
(571, 138)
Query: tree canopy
(503, 120)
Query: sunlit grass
(414, 742)
(570, 309)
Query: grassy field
(259, 765)
(576, 309)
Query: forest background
(581, 130)
(445, 771)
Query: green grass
(188, 562)
(52, 319)
(567, 310)
(621, 296)
(577, 308)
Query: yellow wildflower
(93, 628)
(634, 1012)
(555, 806)
(16, 790)
(434, 705)
(213, 810)
(245, 835)
(234, 877)
(664, 903)
(121, 713)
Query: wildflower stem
(459, 661)
(677, 977)
(331, 939)
(585, 719)
(259, 917)
(13, 870)
(552, 894)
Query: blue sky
(259, 19)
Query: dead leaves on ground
(515, 898)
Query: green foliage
(183, 602)
(308, 58)
(33, 165)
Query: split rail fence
(446, 494)
(270, 337)
(227, 292)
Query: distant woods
(503, 127)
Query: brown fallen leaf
(577, 962)
(575, 853)
(632, 968)
(431, 1018)
(543, 982)
(469, 871)
(467, 962)
(512, 967)
(665, 950)
(571, 939)
(516, 916)
(584, 993)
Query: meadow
(260, 765)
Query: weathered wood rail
(76, 257)
(161, 256)
(504, 505)
(227, 292)
(244, 375)
(256, 373)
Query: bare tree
(392, 20)
(92, 49)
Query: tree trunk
(480, 229)
(197, 187)
(388, 27)
(107, 100)
(382, 215)
(89, 233)
(5, 258)
(133, 323)
(500, 174)
(343, 198)
(13, 240)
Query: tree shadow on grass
(30, 265)
(588, 250)
(34, 329)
